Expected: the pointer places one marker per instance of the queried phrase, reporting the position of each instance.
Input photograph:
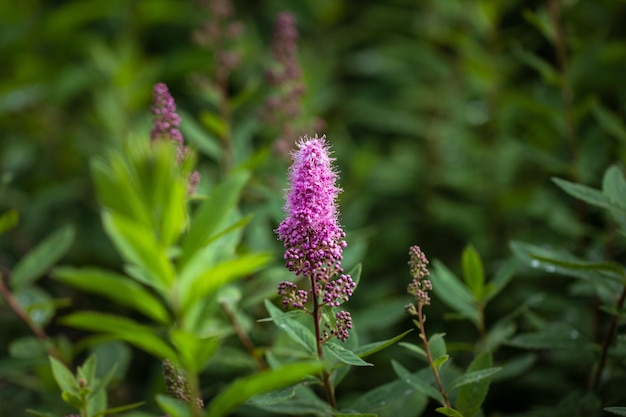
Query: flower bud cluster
(418, 265)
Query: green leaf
(553, 336)
(304, 402)
(354, 415)
(502, 277)
(245, 388)
(28, 347)
(214, 278)
(473, 272)
(211, 213)
(8, 220)
(391, 400)
(73, 400)
(64, 378)
(476, 376)
(173, 407)
(609, 122)
(437, 345)
(138, 246)
(447, 411)
(141, 336)
(46, 254)
(620, 411)
(421, 353)
(273, 397)
(344, 355)
(295, 330)
(452, 292)
(564, 263)
(115, 287)
(206, 143)
(121, 408)
(195, 351)
(587, 194)
(371, 348)
(416, 382)
(614, 186)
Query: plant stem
(607, 342)
(328, 386)
(421, 320)
(34, 327)
(243, 337)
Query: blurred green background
(447, 119)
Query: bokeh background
(447, 118)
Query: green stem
(328, 386)
(243, 336)
(19, 311)
(421, 320)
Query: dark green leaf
(563, 263)
(371, 348)
(345, 355)
(447, 411)
(37, 262)
(587, 194)
(417, 383)
(475, 376)
(121, 408)
(421, 353)
(452, 292)
(391, 400)
(475, 384)
(28, 347)
(115, 287)
(620, 411)
(297, 331)
(609, 122)
(245, 388)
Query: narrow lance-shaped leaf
(124, 329)
(243, 389)
(452, 292)
(295, 330)
(115, 287)
(40, 259)
(344, 355)
(416, 382)
(563, 263)
(211, 213)
(474, 385)
(473, 272)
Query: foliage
(490, 133)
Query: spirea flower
(166, 120)
(165, 126)
(311, 234)
(418, 265)
(283, 109)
